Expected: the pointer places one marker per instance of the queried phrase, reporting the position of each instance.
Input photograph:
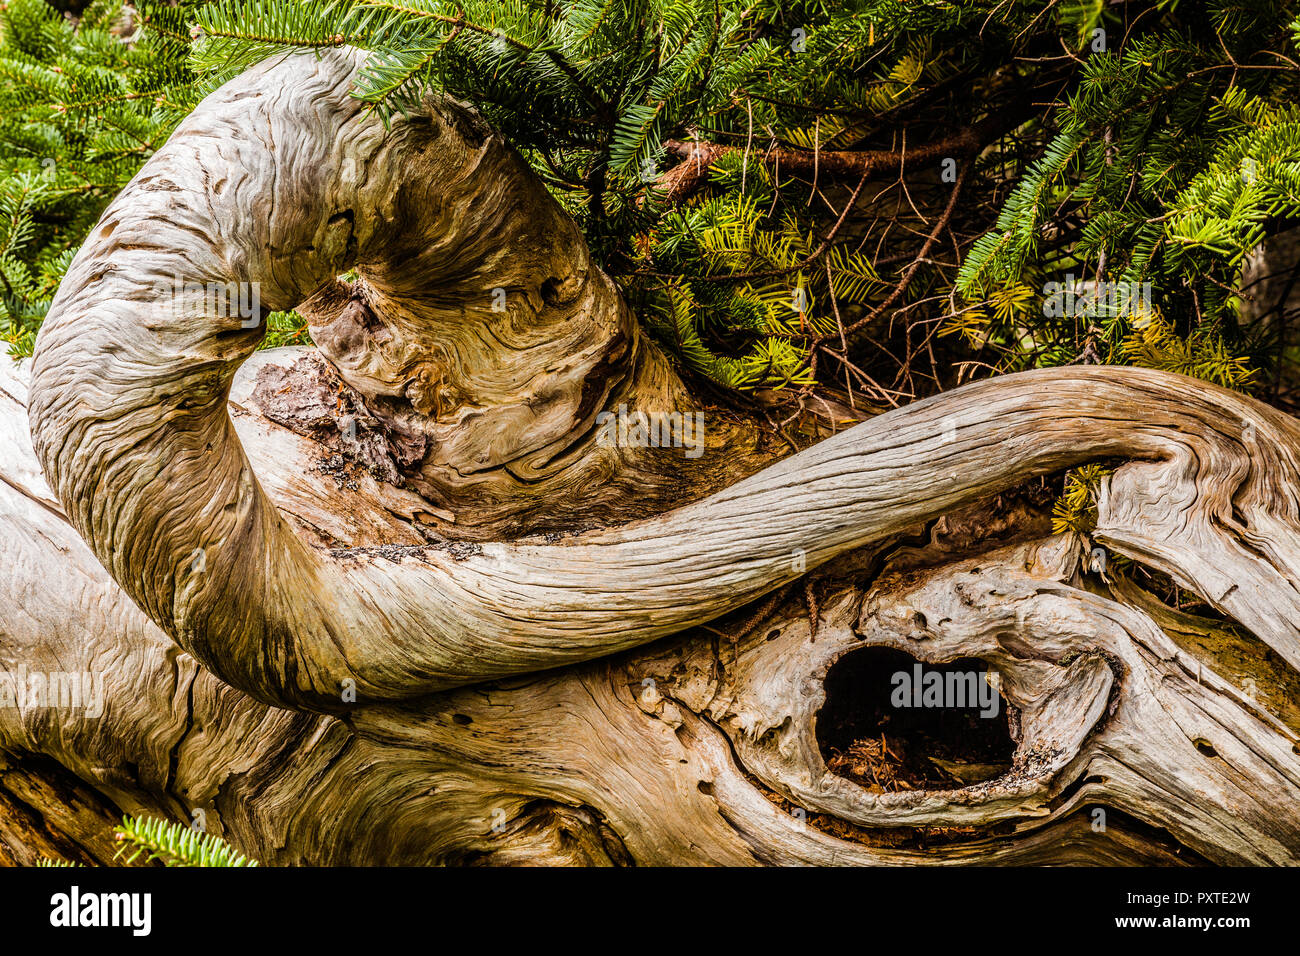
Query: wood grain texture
(693, 750)
(531, 690)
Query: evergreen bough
(148, 839)
(1170, 150)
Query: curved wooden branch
(279, 180)
(696, 157)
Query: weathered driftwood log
(342, 539)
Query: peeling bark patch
(311, 399)
(389, 552)
(458, 550)
(340, 469)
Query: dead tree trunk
(399, 601)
